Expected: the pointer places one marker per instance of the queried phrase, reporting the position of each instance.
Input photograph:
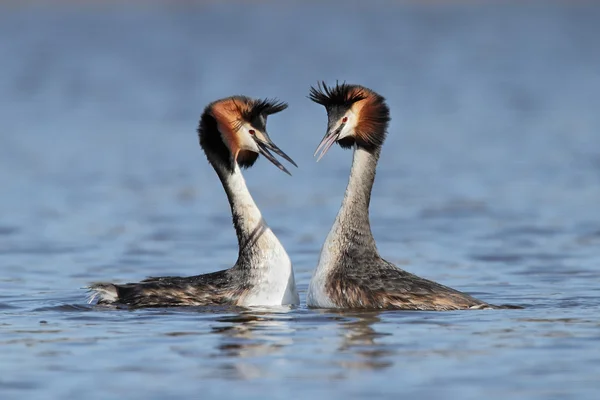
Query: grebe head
(357, 116)
(234, 130)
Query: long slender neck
(247, 219)
(352, 226)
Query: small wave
(65, 308)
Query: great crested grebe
(350, 272)
(232, 133)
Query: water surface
(489, 182)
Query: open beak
(328, 140)
(264, 145)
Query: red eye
(345, 119)
(251, 131)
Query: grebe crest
(232, 132)
(356, 116)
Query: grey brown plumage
(382, 285)
(217, 288)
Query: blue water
(489, 182)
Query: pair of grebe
(350, 273)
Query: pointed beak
(328, 140)
(265, 144)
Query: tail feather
(104, 293)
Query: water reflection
(250, 336)
(359, 339)
(253, 343)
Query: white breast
(275, 284)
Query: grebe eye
(344, 120)
(252, 132)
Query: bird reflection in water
(249, 338)
(359, 339)
(253, 342)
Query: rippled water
(489, 182)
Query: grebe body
(350, 273)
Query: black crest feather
(262, 107)
(339, 95)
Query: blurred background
(489, 182)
